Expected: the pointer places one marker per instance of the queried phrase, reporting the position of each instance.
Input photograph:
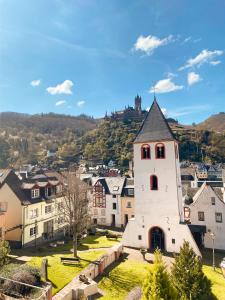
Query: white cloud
(35, 82)
(80, 103)
(203, 57)
(170, 75)
(197, 40)
(63, 88)
(188, 110)
(149, 43)
(215, 62)
(187, 40)
(164, 111)
(60, 102)
(165, 86)
(193, 78)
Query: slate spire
(154, 126)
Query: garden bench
(70, 260)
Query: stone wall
(75, 287)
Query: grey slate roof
(14, 183)
(154, 127)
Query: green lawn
(93, 242)
(118, 282)
(90, 242)
(60, 274)
(218, 281)
(216, 277)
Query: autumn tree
(75, 206)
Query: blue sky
(93, 56)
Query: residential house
(127, 201)
(112, 201)
(206, 215)
(34, 208)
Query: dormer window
(154, 183)
(35, 193)
(160, 151)
(145, 152)
(48, 191)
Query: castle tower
(137, 103)
(158, 218)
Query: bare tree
(75, 206)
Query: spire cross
(154, 89)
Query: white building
(159, 220)
(106, 207)
(207, 215)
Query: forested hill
(27, 138)
(113, 140)
(47, 123)
(215, 123)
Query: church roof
(154, 126)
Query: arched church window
(145, 152)
(154, 183)
(160, 151)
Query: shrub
(4, 251)
(113, 235)
(102, 231)
(34, 272)
(22, 276)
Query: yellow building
(127, 202)
(34, 209)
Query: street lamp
(212, 235)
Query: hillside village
(36, 139)
(157, 203)
(112, 150)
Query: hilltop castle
(130, 113)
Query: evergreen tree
(188, 277)
(157, 285)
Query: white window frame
(46, 191)
(35, 193)
(47, 211)
(220, 215)
(130, 192)
(33, 213)
(33, 231)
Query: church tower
(158, 218)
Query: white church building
(159, 219)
